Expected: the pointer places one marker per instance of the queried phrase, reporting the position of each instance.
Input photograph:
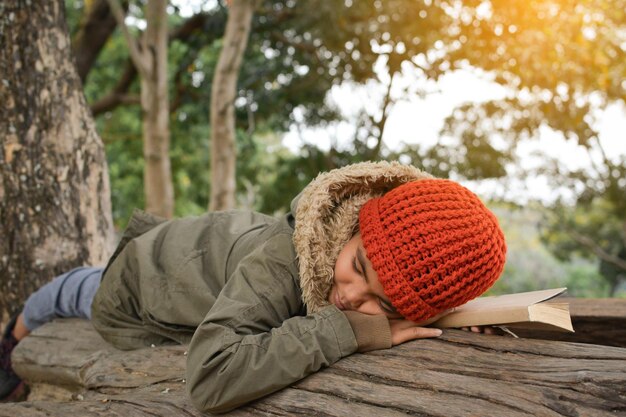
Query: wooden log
(599, 321)
(460, 374)
(72, 355)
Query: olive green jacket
(247, 291)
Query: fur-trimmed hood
(327, 214)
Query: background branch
(596, 249)
(134, 50)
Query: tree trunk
(158, 186)
(150, 59)
(223, 94)
(55, 210)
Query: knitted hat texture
(433, 244)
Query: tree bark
(223, 94)
(150, 59)
(55, 210)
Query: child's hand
(481, 329)
(405, 330)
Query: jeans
(68, 295)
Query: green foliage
(585, 229)
(121, 133)
(107, 70)
(531, 266)
(297, 52)
(189, 153)
(559, 62)
(293, 172)
(73, 14)
(584, 280)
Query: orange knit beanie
(434, 245)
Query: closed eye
(360, 258)
(388, 308)
(355, 266)
(358, 265)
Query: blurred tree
(223, 94)
(531, 266)
(55, 211)
(591, 230)
(149, 56)
(191, 35)
(274, 81)
(552, 57)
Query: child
(369, 254)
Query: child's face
(356, 286)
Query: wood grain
(459, 374)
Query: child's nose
(358, 298)
(366, 305)
(354, 298)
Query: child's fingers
(426, 332)
(413, 333)
(403, 333)
(480, 329)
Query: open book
(527, 310)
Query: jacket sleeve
(371, 332)
(254, 340)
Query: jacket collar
(327, 214)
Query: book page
(522, 299)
